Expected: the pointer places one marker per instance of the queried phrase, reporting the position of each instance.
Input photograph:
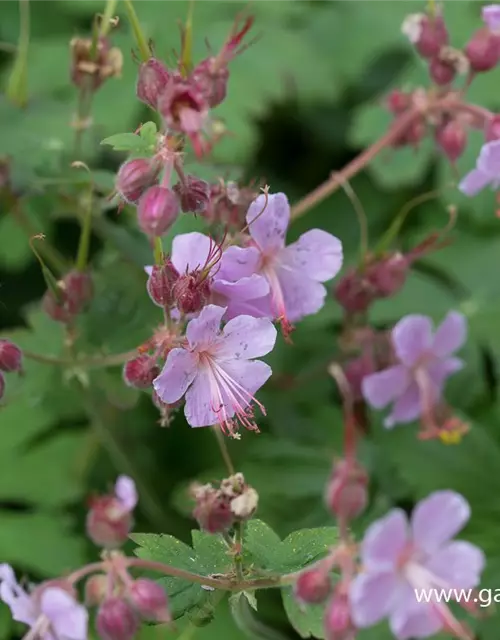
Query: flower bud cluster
(94, 68)
(11, 360)
(218, 509)
(74, 293)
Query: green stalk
(17, 87)
(139, 36)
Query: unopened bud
(353, 292)
(157, 211)
(492, 129)
(387, 276)
(75, 292)
(346, 493)
(428, 34)
(212, 510)
(160, 283)
(313, 586)
(152, 80)
(140, 372)
(191, 292)
(338, 622)
(134, 177)
(108, 522)
(193, 194)
(452, 139)
(355, 370)
(483, 50)
(116, 620)
(211, 80)
(11, 356)
(149, 599)
(398, 101)
(441, 71)
(96, 589)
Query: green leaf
(306, 620)
(127, 142)
(148, 133)
(207, 556)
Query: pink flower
(426, 361)
(215, 370)
(50, 611)
(487, 171)
(401, 560)
(126, 492)
(491, 16)
(294, 273)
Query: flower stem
(238, 546)
(17, 86)
(221, 441)
(86, 232)
(139, 36)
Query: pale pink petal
(450, 335)
(436, 519)
(203, 403)
(205, 329)
(7, 573)
(491, 16)
(489, 159)
(249, 375)
(190, 251)
(371, 597)
(126, 492)
(178, 373)
(384, 541)
(248, 288)
(238, 262)
(412, 338)
(474, 182)
(68, 618)
(257, 308)
(301, 295)
(149, 269)
(406, 408)
(245, 337)
(383, 387)
(457, 564)
(268, 222)
(316, 254)
(22, 607)
(439, 371)
(413, 619)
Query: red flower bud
(11, 356)
(134, 177)
(140, 372)
(388, 276)
(160, 283)
(441, 71)
(2, 385)
(492, 129)
(191, 293)
(108, 522)
(152, 81)
(212, 510)
(157, 211)
(76, 291)
(433, 35)
(353, 292)
(346, 493)
(355, 370)
(211, 80)
(398, 101)
(194, 194)
(452, 138)
(483, 50)
(116, 620)
(313, 586)
(338, 622)
(96, 589)
(149, 600)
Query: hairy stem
(139, 36)
(221, 441)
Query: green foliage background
(302, 102)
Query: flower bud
(441, 71)
(388, 275)
(157, 211)
(97, 66)
(211, 80)
(492, 129)
(96, 589)
(2, 385)
(355, 370)
(212, 510)
(191, 292)
(140, 372)
(11, 356)
(160, 283)
(452, 139)
(193, 194)
(108, 522)
(483, 50)
(433, 36)
(398, 101)
(338, 622)
(313, 586)
(75, 292)
(116, 620)
(346, 493)
(353, 293)
(151, 82)
(134, 177)
(149, 599)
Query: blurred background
(302, 101)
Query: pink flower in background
(216, 371)
(401, 558)
(294, 272)
(51, 612)
(487, 171)
(491, 16)
(126, 493)
(425, 362)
